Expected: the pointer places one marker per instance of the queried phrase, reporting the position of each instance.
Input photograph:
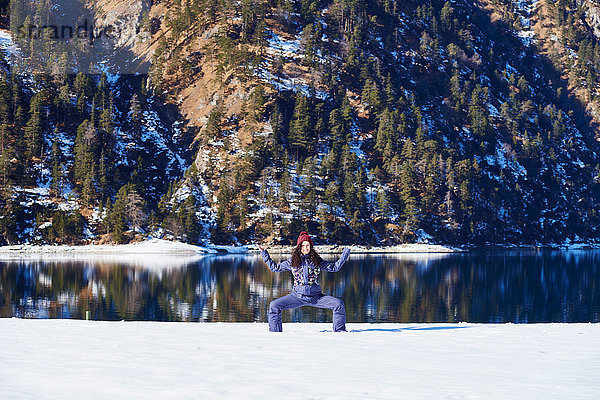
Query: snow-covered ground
(357, 249)
(166, 247)
(72, 359)
(152, 250)
(151, 246)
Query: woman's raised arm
(273, 266)
(335, 267)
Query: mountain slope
(365, 121)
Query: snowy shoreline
(152, 246)
(72, 359)
(165, 247)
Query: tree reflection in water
(502, 286)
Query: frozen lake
(522, 286)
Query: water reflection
(517, 286)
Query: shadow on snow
(408, 328)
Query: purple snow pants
(294, 300)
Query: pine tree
(408, 151)
(337, 131)
(301, 135)
(385, 130)
(223, 229)
(456, 91)
(84, 159)
(350, 195)
(94, 112)
(5, 98)
(106, 219)
(465, 176)
(261, 35)
(243, 209)
(446, 17)
(103, 184)
(57, 166)
(357, 225)
(450, 188)
(411, 211)
(383, 204)
(190, 223)
(128, 211)
(88, 190)
(33, 129)
(257, 103)
(135, 115)
(213, 129)
(389, 98)
(309, 43)
(394, 168)
(284, 190)
(478, 114)
(370, 95)
(83, 89)
(431, 184)
(7, 155)
(107, 125)
(331, 197)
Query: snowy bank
(150, 246)
(166, 247)
(358, 249)
(73, 359)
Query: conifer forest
(372, 122)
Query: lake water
(504, 286)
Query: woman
(306, 265)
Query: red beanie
(304, 236)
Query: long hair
(312, 255)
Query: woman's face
(305, 249)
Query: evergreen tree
(135, 114)
(301, 135)
(370, 95)
(8, 154)
(213, 128)
(257, 103)
(103, 181)
(57, 166)
(284, 190)
(310, 43)
(128, 212)
(337, 131)
(33, 129)
(383, 204)
(411, 211)
(450, 188)
(223, 229)
(331, 196)
(106, 126)
(84, 157)
(478, 114)
(84, 90)
(88, 190)
(106, 217)
(385, 131)
(117, 220)
(5, 98)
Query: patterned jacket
(306, 275)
